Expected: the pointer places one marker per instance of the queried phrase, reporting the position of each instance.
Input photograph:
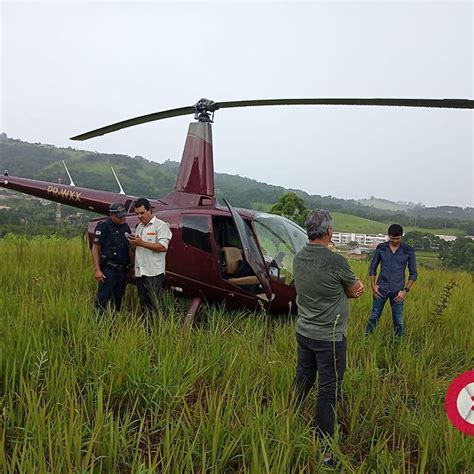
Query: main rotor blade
(437, 103)
(135, 121)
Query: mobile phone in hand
(129, 236)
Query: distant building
(447, 238)
(366, 240)
(356, 251)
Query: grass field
(428, 259)
(119, 394)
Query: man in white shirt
(150, 242)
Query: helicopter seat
(233, 259)
(264, 297)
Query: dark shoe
(328, 462)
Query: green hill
(385, 204)
(140, 176)
(348, 223)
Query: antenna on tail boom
(69, 174)
(118, 182)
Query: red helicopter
(238, 257)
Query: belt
(119, 267)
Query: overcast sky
(71, 67)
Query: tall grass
(84, 394)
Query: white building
(447, 238)
(366, 240)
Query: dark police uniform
(114, 262)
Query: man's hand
(99, 276)
(360, 289)
(400, 296)
(376, 291)
(135, 241)
(355, 290)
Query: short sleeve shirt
(113, 243)
(321, 277)
(149, 262)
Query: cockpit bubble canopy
(280, 240)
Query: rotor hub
(204, 110)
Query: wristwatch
(406, 289)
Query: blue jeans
(377, 309)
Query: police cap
(117, 209)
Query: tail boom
(82, 198)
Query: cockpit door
(251, 251)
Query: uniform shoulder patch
(99, 228)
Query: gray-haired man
(323, 281)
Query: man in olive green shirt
(324, 281)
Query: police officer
(111, 257)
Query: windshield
(280, 240)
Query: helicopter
(218, 254)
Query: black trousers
(111, 290)
(149, 289)
(328, 358)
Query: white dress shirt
(149, 262)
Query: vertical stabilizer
(196, 173)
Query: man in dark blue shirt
(393, 256)
(111, 256)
